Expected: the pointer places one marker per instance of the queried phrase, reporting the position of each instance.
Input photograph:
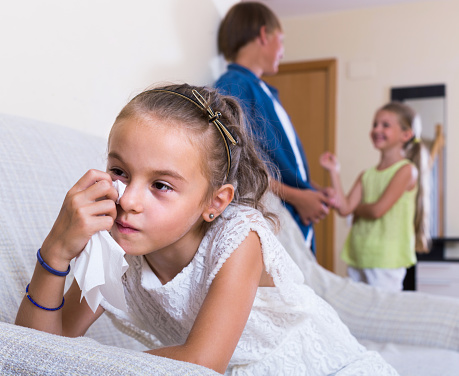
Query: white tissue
(120, 187)
(99, 268)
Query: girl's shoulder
(241, 219)
(405, 168)
(236, 212)
(235, 223)
(403, 162)
(229, 231)
(392, 169)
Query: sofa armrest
(25, 351)
(410, 318)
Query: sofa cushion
(40, 162)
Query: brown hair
(242, 24)
(248, 174)
(418, 154)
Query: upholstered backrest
(39, 163)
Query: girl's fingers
(87, 218)
(88, 207)
(102, 223)
(94, 185)
(100, 190)
(99, 208)
(90, 178)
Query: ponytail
(250, 175)
(417, 153)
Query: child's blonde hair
(177, 104)
(418, 154)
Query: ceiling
(289, 8)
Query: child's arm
(405, 179)
(224, 313)
(345, 205)
(88, 207)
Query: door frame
(329, 66)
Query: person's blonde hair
(242, 24)
(248, 173)
(419, 155)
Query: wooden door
(307, 91)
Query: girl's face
(162, 206)
(387, 132)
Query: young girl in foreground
(208, 282)
(387, 202)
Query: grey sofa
(417, 333)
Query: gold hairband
(213, 118)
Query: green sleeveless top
(389, 241)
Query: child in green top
(390, 223)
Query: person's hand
(88, 207)
(329, 161)
(333, 199)
(312, 206)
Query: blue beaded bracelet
(49, 268)
(39, 306)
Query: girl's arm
(88, 207)
(345, 205)
(404, 180)
(224, 313)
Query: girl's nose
(131, 201)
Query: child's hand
(88, 207)
(329, 161)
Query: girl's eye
(161, 187)
(117, 172)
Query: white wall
(404, 45)
(76, 63)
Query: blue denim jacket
(267, 128)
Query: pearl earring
(211, 215)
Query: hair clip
(213, 118)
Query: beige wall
(76, 63)
(403, 45)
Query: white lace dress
(290, 330)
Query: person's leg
(357, 275)
(388, 279)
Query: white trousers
(388, 279)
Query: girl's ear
(407, 135)
(220, 200)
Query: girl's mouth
(125, 228)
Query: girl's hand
(88, 207)
(329, 161)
